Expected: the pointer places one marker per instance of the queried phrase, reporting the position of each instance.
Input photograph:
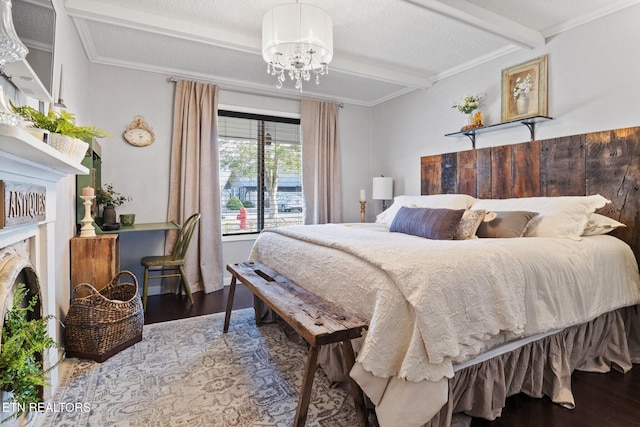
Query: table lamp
(382, 189)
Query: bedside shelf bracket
(472, 137)
(532, 129)
(529, 122)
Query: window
(260, 172)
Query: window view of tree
(260, 172)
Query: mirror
(35, 24)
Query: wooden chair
(175, 261)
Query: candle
(363, 196)
(88, 191)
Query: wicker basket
(105, 322)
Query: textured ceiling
(382, 48)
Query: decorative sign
(22, 203)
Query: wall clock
(138, 133)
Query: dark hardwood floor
(166, 307)
(602, 400)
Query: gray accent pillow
(506, 224)
(436, 224)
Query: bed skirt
(544, 367)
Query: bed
(459, 325)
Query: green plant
(234, 204)
(24, 341)
(108, 196)
(63, 122)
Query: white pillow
(445, 201)
(600, 224)
(565, 216)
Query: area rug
(188, 373)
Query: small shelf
(529, 122)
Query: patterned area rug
(188, 373)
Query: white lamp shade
(291, 29)
(382, 188)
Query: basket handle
(125, 272)
(84, 286)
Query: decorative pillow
(469, 224)
(600, 224)
(506, 224)
(437, 224)
(565, 216)
(444, 201)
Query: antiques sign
(22, 203)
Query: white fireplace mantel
(25, 159)
(23, 154)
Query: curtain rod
(174, 80)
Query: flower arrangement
(468, 104)
(108, 196)
(522, 86)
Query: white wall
(143, 172)
(355, 150)
(593, 86)
(68, 52)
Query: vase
(468, 124)
(470, 119)
(522, 104)
(109, 215)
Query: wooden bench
(316, 320)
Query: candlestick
(87, 229)
(60, 97)
(362, 210)
(60, 102)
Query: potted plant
(64, 134)
(108, 198)
(23, 342)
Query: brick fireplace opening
(16, 268)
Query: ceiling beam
(470, 14)
(94, 10)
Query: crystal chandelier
(297, 39)
(11, 48)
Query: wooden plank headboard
(606, 163)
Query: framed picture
(524, 90)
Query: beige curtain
(320, 162)
(194, 182)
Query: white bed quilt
(432, 304)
